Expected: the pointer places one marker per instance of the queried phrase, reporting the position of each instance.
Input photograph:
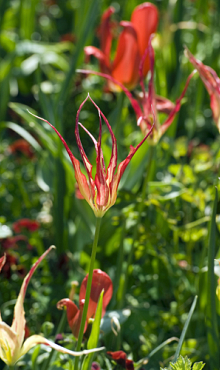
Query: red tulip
(147, 105)
(100, 192)
(132, 43)
(100, 281)
(212, 84)
(25, 223)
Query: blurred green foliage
(41, 45)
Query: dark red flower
(95, 366)
(12, 241)
(68, 37)
(121, 358)
(25, 223)
(21, 146)
(132, 43)
(27, 332)
(100, 281)
(12, 264)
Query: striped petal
(85, 189)
(18, 324)
(9, 344)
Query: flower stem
(88, 289)
(120, 259)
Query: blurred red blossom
(68, 37)
(11, 242)
(121, 358)
(95, 366)
(132, 43)
(12, 264)
(100, 281)
(21, 146)
(25, 223)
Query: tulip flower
(101, 192)
(147, 105)
(212, 84)
(12, 344)
(132, 43)
(100, 281)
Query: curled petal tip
(61, 305)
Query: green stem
(88, 289)
(140, 210)
(120, 260)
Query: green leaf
(46, 135)
(211, 318)
(184, 364)
(94, 336)
(198, 366)
(23, 133)
(34, 357)
(185, 329)
(181, 364)
(145, 360)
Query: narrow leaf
(211, 318)
(145, 360)
(182, 337)
(23, 133)
(94, 336)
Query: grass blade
(182, 337)
(211, 315)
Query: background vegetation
(166, 247)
